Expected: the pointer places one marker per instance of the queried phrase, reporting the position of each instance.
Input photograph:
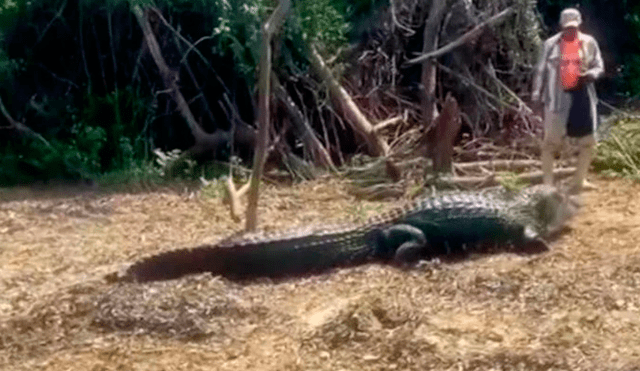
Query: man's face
(570, 32)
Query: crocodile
(428, 227)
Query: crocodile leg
(403, 243)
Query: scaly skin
(430, 226)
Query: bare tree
(274, 22)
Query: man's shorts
(580, 121)
(576, 123)
(555, 130)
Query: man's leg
(554, 132)
(547, 163)
(586, 147)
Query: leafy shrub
(322, 22)
(124, 115)
(72, 72)
(8, 67)
(76, 157)
(629, 79)
(239, 30)
(619, 155)
(141, 174)
(82, 150)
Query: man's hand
(535, 97)
(587, 77)
(536, 104)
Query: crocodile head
(554, 208)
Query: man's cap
(570, 17)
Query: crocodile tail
(277, 257)
(176, 263)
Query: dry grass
(573, 308)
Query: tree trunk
(273, 23)
(429, 44)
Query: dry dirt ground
(575, 307)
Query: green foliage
(238, 31)
(8, 68)
(8, 12)
(215, 189)
(142, 174)
(71, 63)
(176, 164)
(619, 155)
(109, 134)
(322, 23)
(511, 181)
(632, 17)
(124, 115)
(630, 77)
(520, 35)
(82, 150)
(76, 157)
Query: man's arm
(539, 73)
(596, 68)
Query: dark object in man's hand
(586, 78)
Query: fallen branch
(192, 47)
(305, 132)
(408, 31)
(469, 82)
(462, 39)
(388, 122)
(377, 146)
(534, 177)
(378, 192)
(169, 77)
(203, 141)
(22, 128)
(509, 165)
(491, 71)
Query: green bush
(109, 134)
(124, 115)
(619, 154)
(239, 31)
(76, 77)
(322, 23)
(630, 76)
(29, 160)
(141, 174)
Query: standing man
(564, 81)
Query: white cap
(570, 17)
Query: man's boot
(582, 168)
